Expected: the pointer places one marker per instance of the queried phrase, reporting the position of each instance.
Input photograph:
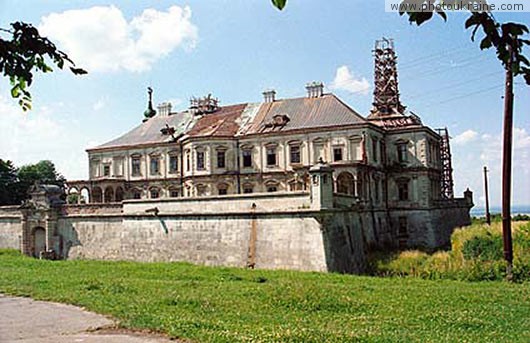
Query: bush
(476, 255)
(487, 248)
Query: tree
(8, 183)
(24, 52)
(43, 172)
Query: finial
(149, 112)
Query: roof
(242, 119)
(302, 113)
(224, 122)
(149, 131)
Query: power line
(453, 85)
(484, 90)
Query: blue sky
(235, 50)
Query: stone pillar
(50, 232)
(321, 186)
(26, 243)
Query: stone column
(26, 244)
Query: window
(248, 189)
(221, 159)
(173, 164)
(106, 170)
(188, 164)
(271, 157)
(118, 166)
(402, 228)
(356, 149)
(374, 148)
(295, 154)
(154, 167)
(337, 154)
(222, 190)
(402, 152)
(200, 160)
(174, 193)
(272, 189)
(135, 166)
(247, 158)
(155, 193)
(136, 194)
(403, 190)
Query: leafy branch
(25, 53)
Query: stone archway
(38, 241)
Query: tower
(386, 91)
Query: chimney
(164, 109)
(269, 95)
(314, 89)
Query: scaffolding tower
(386, 91)
(447, 169)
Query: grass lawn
(235, 305)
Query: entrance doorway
(39, 241)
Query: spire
(386, 92)
(149, 112)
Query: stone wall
(10, 227)
(302, 241)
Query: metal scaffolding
(386, 92)
(447, 169)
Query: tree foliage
(503, 37)
(25, 52)
(15, 182)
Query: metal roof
(243, 119)
(149, 131)
(302, 113)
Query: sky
(235, 50)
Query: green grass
(235, 305)
(476, 255)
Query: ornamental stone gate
(39, 221)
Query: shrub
(487, 248)
(476, 255)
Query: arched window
(154, 193)
(345, 184)
(222, 189)
(109, 194)
(119, 194)
(136, 193)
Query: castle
(305, 183)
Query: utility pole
(507, 166)
(488, 218)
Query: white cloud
(470, 158)
(100, 38)
(38, 135)
(465, 137)
(347, 81)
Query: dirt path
(24, 320)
